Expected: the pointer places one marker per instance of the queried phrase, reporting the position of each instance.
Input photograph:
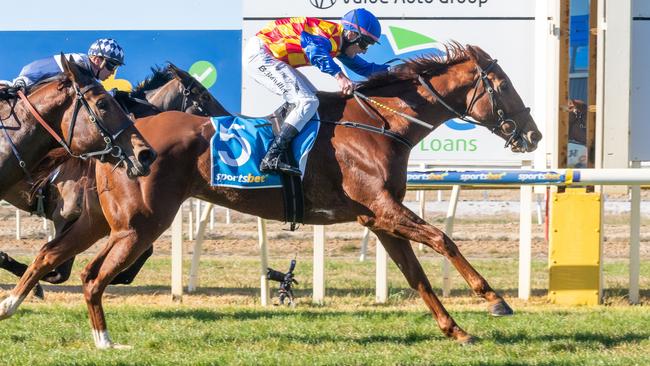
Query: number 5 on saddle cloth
(238, 146)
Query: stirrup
(288, 169)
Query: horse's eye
(102, 104)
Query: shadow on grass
(563, 342)
(398, 293)
(297, 315)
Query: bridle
(111, 147)
(502, 119)
(187, 91)
(497, 110)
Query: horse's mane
(430, 64)
(159, 78)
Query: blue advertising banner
(212, 56)
(515, 177)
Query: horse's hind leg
(398, 221)
(401, 252)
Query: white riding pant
(281, 79)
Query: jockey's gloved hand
(346, 85)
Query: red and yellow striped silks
(282, 37)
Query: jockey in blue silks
(103, 58)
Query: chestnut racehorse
(355, 174)
(81, 116)
(64, 187)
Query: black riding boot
(274, 161)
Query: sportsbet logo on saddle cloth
(239, 144)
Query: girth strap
(373, 129)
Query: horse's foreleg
(128, 275)
(121, 250)
(60, 273)
(17, 269)
(76, 239)
(401, 252)
(398, 221)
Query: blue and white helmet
(107, 48)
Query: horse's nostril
(535, 136)
(146, 157)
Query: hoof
(467, 340)
(122, 346)
(3, 259)
(500, 308)
(103, 341)
(38, 292)
(114, 346)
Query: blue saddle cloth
(239, 144)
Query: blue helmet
(107, 48)
(363, 22)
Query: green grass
(222, 323)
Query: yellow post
(575, 248)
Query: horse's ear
(69, 67)
(173, 69)
(476, 53)
(65, 64)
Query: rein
(498, 112)
(482, 79)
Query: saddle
(292, 190)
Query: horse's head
(495, 104)
(94, 125)
(195, 98)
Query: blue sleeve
(361, 66)
(317, 49)
(38, 70)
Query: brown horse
(64, 188)
(85, 119)
(355, 174)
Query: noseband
(497, 111)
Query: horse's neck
(31, 142)
(453, 86)
(167, 97)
